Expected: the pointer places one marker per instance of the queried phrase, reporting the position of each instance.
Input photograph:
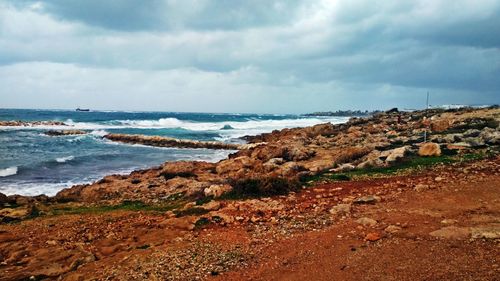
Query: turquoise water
(32, 163)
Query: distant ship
(82, 109)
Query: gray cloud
(158, 15)
(324, 52)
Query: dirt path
(457, 207)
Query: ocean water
(32, 163)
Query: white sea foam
(8, 171)
(65, 159)
(33, 189)
(99, 133)
(227, 129)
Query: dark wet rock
(56, 133)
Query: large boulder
(217, 190)
(273, 164)
(490, 136)
(298, 153)
(429, 149)
(441, 125)
(188, 186)
(268, 152)
(231, 166)
(396, 154)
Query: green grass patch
(411, 163)
(124, 206)
(190, 212)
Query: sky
(262, 56)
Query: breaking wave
(227, 129)
(65, 159)
(8, 171)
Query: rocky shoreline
(362, 182)
(276, 162)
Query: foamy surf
(65, 159)
(253, 126)
(8, 171)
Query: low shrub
(260, 187)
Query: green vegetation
(175, 196)
(125, 206)
(204, 200)
(254, 188)
(190, 212)
(411, 164)
(168, 175)
(200, 223)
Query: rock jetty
(65, 132)
(30, 123)
(170, 142)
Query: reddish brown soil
(304, 242)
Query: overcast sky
(248, 56)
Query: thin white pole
(427, 108)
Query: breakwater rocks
(170, 142)
(31, 123)
(276, 162)
(64, 132)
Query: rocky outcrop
(170, 142)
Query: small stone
(451, 232)
(438, 179)
(369, 199)
(373, 236)
(449, 221)
(367, 221)
(421, 187)
(341, 209)
(392, 229)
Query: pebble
(367, 221)
(369, 199)
(392, 229)
(341, 209)
(373, 236)
(449, 221)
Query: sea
(32, 163)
